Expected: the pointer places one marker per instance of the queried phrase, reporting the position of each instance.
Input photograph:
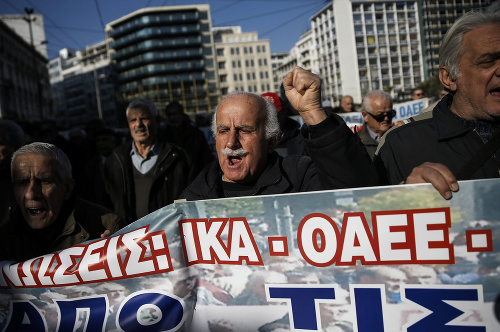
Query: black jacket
(437, 137)
(194, 143)
(172, 173)
(78, 221)
(337, 159)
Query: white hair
(271, 125)
(58, 159)
(451, 50)
(143, 104)
(367, 101)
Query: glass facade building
(165, 54)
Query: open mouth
(495, 92)
(234, 160)
(36, 211)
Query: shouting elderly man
(459, 138)
(49, 217)
(246, 129)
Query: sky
(79, 23)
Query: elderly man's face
(347, 103)
(39, 192)
(379, 107)
(241, 144)
(142, 125)
(478, 87)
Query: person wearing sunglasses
(417, 93)
(378, 114)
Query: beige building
(243, 61)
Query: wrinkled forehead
(38, 164)
(241, 110)
(139, 111)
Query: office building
(33, 33)
(24, 80)
(437, 18)
(243, 61)
(277, 60)
(301, 55)
(165, 54)
(83, 87)
(364, 46)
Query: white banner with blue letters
(396, 258)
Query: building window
(220, 51)
(235, 77)
(223, 78)
(222, 65)
(245, 50)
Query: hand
(438, 175)
(303, 91)
(106, 233)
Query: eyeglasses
(379, 118)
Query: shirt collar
(154, 151)
(372, 134)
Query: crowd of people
(57, 192)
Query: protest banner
(396, 258)
(403, 111)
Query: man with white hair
(459, 139)
(378, 114)
(147, 173)
(48, 216)
(246, 129)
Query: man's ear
(70, 185)
(445, 78)
(272, 144)
(365, 115)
